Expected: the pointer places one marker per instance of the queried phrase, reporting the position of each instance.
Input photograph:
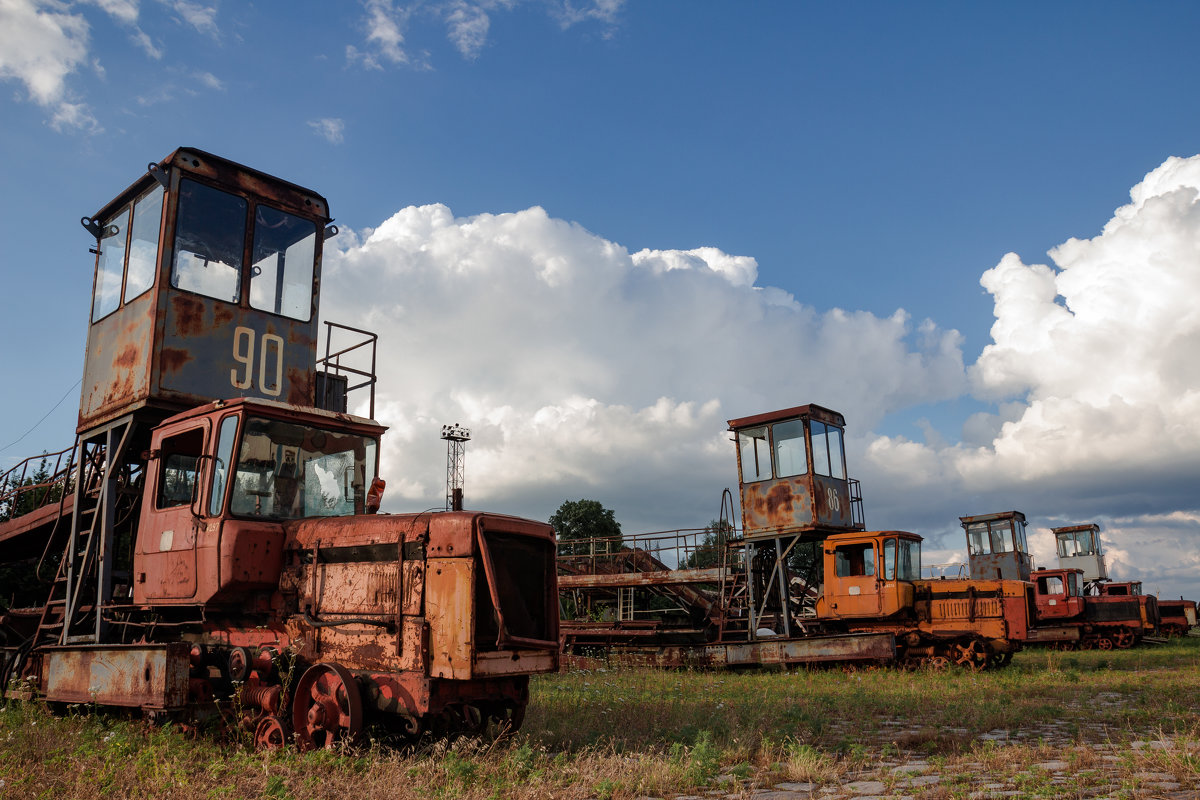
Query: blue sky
(736, 200)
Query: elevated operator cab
(206, 286)
(1079, 547)
(792, 473)
(997, 547)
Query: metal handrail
(332, 362)
(13, 485)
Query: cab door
(852, 583)
(165, 557)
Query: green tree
(708, 551)
(578, 522)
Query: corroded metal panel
(990, 609)
(771, 507)
(659, 578)
(251, 555)
(515, 662)
(412, 587)
(210, 349)
(450, 610)
(117, 362)
(144, 676)
(1001, 566)
(1053, 633)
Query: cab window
(210, 232)
(1050, 584)
(110, 266)
(828, 456)
(1002, 539)
(179, 455)
(226, 437)
(281, 275)
(909, 568)
(755, 454)
(978, 540)
(143, 243)
(855, 560)
(791, 456)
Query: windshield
(285, 470)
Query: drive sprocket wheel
(328, 707)
(1123, 639)
(271, 733)
(938, 663)
(972, 655)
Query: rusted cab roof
(810, 411)
(992, 517)
(194, 161)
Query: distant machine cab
(997, 547)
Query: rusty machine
(212, 541)
(803, 582)
(1077, 607)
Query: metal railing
(33, 483)
(333, 362)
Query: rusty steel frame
(843, 648)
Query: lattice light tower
(456, 437)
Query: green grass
(635, 733)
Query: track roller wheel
(328, 707)
(1000, 660)
(237, 666)
(938, 663)
(1087, 644)
(972, 655)
(1104, 643)
(271, 733)
(1123, 639)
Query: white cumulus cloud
(582, 369)
(41, 44)
(1095, 360)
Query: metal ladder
(83, 583)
